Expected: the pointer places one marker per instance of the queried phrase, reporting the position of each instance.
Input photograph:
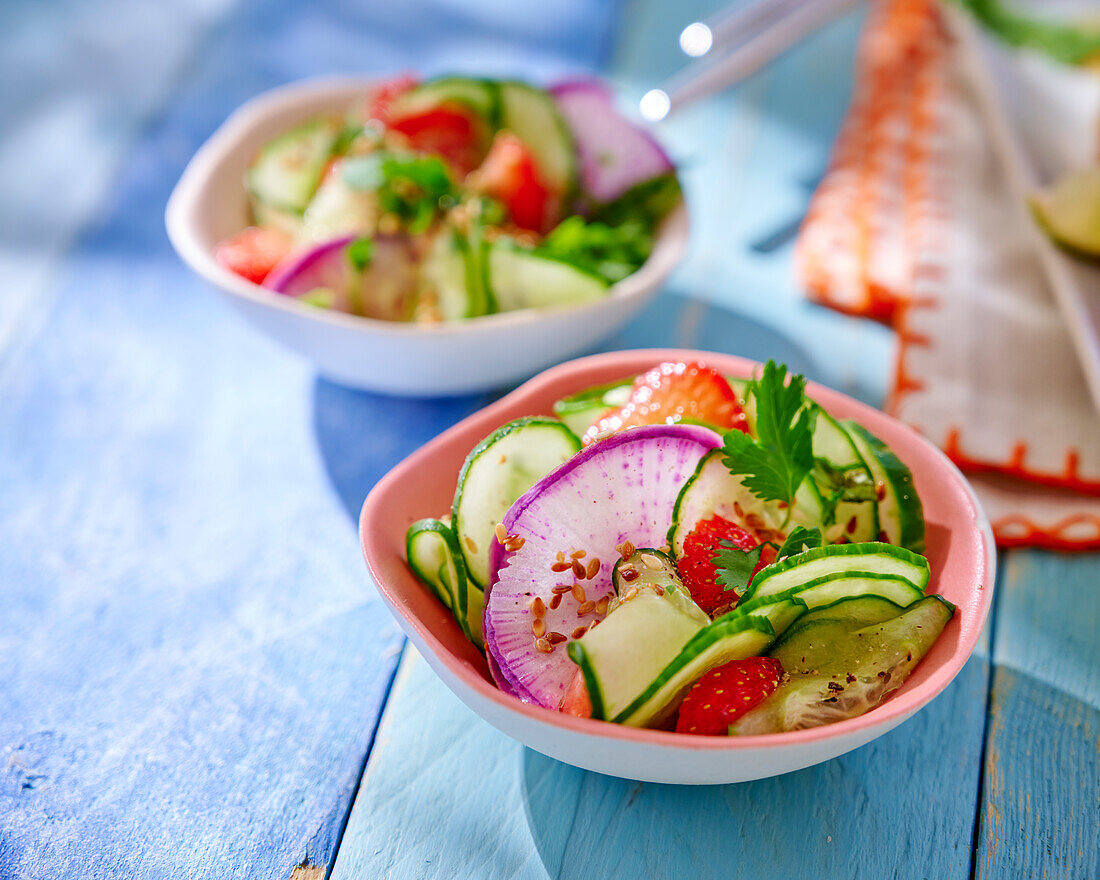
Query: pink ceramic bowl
(960, 550)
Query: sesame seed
(593, 567)
(538, 627)
(651, 562)
(626, 549)
(577, 554)
(555, 638)
(586, 608)
(514, 543)
(561, 556)
(470, 543)
(544, 646)
(578, 592)
(630, 594)
(579, 631)
(501, 533)
(601, 605)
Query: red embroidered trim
(1019, 531)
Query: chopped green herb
(415, 189)
(360, 253)
(777, 461)
(735, 566)
(800, 539)
(611, 252)
(321, 297)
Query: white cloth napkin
(986, 367)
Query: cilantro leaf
(798, 540)
(850, 485)
(735, 566)
(781, 456)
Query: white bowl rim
(670, 243)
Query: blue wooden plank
(1041, 793)
(193, 661)
(445, 795)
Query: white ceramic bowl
(960, 550)
(210, 203)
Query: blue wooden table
(196, 679)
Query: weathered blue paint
(1041, 793)
(192, 660)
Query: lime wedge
(1069, 211)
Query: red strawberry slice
(725, 694)
(672, 392)
(380, 99)
(253, 252)
(510, 175)
(696, 563)
(449, 130)
(576, 701)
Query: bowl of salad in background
(431, 238)
(682, 567)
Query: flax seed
(555, 601)
(538, 607)
(561, 566)
(470, 543)
(738, 509)
(501, 533)
(753, 521)
(555, 638)
(651, 562)
(538, 627)
(880, 490)
(626, 549)
(578, 632)
(578, 592)
(658, 589)
(544, 646)
(593, 567)
(514, 543)
(577, 554)
(586, 608)
(601, 605)
(628, 573)
(595, 623)
(852, 523)
(561, 556)
(630, 594)
(561, 588)
(578, 569)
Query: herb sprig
(779, 458)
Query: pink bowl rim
(893, 712)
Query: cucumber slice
(497, 471)
(522, 279)
(583, 409)
(276, 218)
(827, 589)
(338, 210)
(288, 170)
(862, 610)
(533, 116)
(870, 663)
(733, 637)
(780, 614)
(481, 96)
(452, 272)
(646, 626)
(433, 555)
(795, 572)
(714, 491)
(901, 517)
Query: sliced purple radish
(382, 288)
(623, 488)
(614, 153)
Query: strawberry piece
(576, 701)
(672, 392)
(696, 564)
(511, 176)
(725, 694)
(253, 252)
(379, 100)
(450, 131)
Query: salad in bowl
(454, 198)
(689, 551)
